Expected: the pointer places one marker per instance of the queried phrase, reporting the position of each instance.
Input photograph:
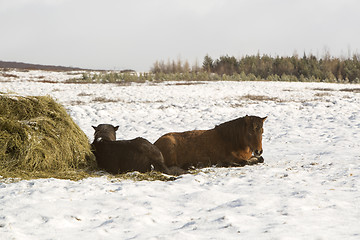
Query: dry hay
(39, 139)
(148, 176)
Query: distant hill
(21, 65)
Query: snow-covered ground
(308, 187)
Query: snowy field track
(307, 188)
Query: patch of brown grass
(8, 75)
(47, 81)
(323, 89)
(137, 176)
(77, 102)
(260, 98)
(185, 83)
(237, 105)
(84, 94)
(104, 100)
(322, 94)
(354, 90)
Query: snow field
(308, 187)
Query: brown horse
(125, 155)
(234, 143)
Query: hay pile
(39, 139)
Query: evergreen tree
(208, 64)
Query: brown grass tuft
(104, 100)
(260, 98)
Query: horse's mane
(233, 131)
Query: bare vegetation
(8, 75)
(84, 94)
(104, 100)
(47, 81)
(77, 102)
(137, 176)
(354, 90)
(260, 98)
(322, 94)
(324, 89)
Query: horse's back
(129, 155)
(178, 137)
(167, 144)
(176, 147)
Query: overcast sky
(133, 34)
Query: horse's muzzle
(258, 153)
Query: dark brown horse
(105, 132)
(125, 155)
(234, 143)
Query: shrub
(294, 68)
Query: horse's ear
(94, 127)
(116, 128)
(247, 119)
(263, 119)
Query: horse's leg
(233, 160)
(244, 157)
(232, 163)
(255, 160)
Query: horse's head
(105, 132)
(254, 131)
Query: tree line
(265, 67)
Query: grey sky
(119, 34)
